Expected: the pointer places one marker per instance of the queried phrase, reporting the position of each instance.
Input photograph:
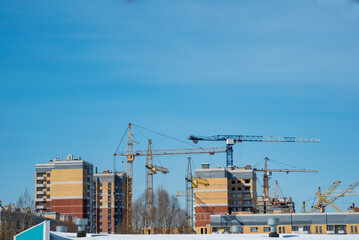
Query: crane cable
(164, 135)
(114, 157)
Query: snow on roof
(90, 236)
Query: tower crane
(232, 139)
(268, 172)
(151, 170)
(131, 154)
(324, 199)
(192, 182)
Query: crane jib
(252, 138)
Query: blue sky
(73, 74)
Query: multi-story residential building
(110, 207)
(66, 187)
(230, 190)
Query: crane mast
(130, 158)
(232, 139)
(189, 196)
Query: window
(295, 228)
(205, 231)
(109, 211)
(100, 223)
(48, 196)
(109, 185)
(266, 229)
(109, 230)
(239, 188)
(39, 174)
(100, 184)
(48, 203)
(234, 195)
(48, 174)
(320, 229)
(233, 181)
(109, 198)
(247, 195)
(233, 189)
(48, 189)
(280, 230)
(100, 210)
(246, 181)
(239, 181)
(254, 229)
(356, 229)
(39, 196)
(352, 229)
(39, 182)
(316, 229)
(247, 188)
(48, 181)
(307, 228)
(109, 218)
(283, 229)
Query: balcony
(40, 178)
(40, 207)
(40, 192)
(40, 185)
(40, 200)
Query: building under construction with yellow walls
(65, 187)
(230, 190)
(110, 207)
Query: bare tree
(17, 217)
(139, 214)
(167, 217)
(8, 228)
(25, 207)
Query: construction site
(229, 200)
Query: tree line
(166, 216)
(19, 217)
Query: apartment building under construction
(65, 187)
(230, 190)
(110, 197)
